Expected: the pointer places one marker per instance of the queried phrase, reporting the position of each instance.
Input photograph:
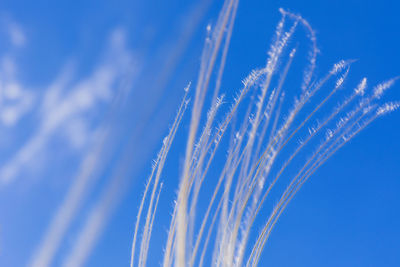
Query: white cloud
(16, 34)
(15, 99)
(64, 104)
(84, 95)
(77, 132)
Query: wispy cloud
(66, 105)
(17, 35)
(15, 99)
(103, 85)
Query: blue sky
(88, 90)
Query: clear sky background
(88, 89)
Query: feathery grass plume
(264, 150)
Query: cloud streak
(99, 86)
(65, 104)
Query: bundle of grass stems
(265, 132)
